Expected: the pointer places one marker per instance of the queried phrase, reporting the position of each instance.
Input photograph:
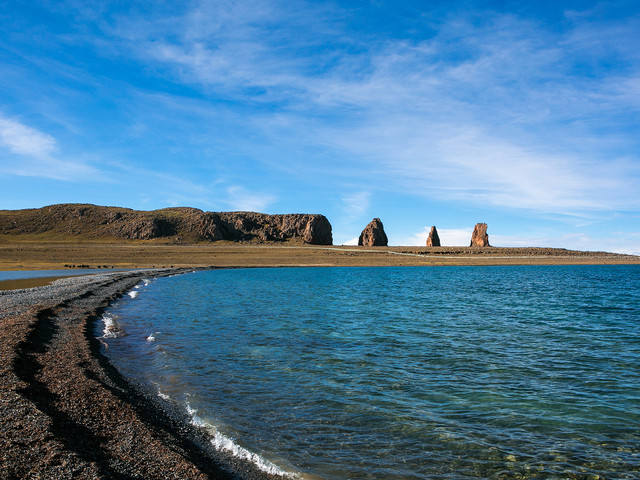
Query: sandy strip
(66, 412)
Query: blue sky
(524, 115)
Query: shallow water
(407, 372)
(26, 274)
(15, 279)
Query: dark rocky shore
(66, 412)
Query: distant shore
(66, 412)
(33, 256)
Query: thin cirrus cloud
(228, 46)
(30, 152)
(356, 204)
(474, 166)
(481, 110)
(24, 140)
(240, 199)
(489, 112)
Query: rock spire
(373, 235)
(433, 240)
(479, 238)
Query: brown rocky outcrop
(183, 224)
(145, 228)
(479, 238)
(313, 229)
(373, 235)
(433, 240)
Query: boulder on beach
(373, 235)
(433, 240)
(479, 238)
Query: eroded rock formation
(479, 238)
(433, 240)
(313, 229)
(177, 224)
(373, 235)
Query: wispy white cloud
(241, 199)
(504, 127)
(33, 153)
(237, 49)
(356, 204)
(496, 112)
(24, 140)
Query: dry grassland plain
(44, 255)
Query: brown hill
(181, 225)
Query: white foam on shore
(146, 282)
(163, 396)
(183, 273)
(223, 443)
(133, 293)
(111, 327)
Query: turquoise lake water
(398, 372)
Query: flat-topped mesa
(183, 225)
(373, 235)
(312, 229)
(433, 240)
(479, 237)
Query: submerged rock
(433, 240)
(479, 238)
(373, 235)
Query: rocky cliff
(373, 235)
(479, 237)
(171, 224)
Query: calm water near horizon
(398, 372)
(16, 279)
(67, 272)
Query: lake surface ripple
(407, 372)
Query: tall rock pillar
(433, 240)
(479, 238)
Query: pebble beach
(66, 412)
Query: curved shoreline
(67, 412)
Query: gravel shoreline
(66, 412)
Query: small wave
(111, 327)
(133, 293)
(152, 337)
(163, 396)
(146, 282)
(223, 443)
(180, 274)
